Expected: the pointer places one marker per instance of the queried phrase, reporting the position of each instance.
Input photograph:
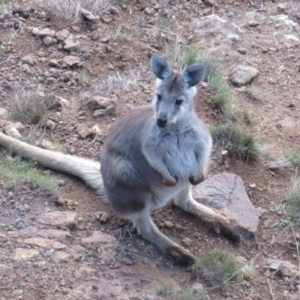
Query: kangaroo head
(173, 98)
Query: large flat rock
(226, 193)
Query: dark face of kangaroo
(174, 92)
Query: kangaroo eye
(158, 97)
(178, 102)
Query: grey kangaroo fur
(152, 155)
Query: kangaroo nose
(162, 121)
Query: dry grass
(238, 141)
(69, 10)
(28, 105)
(16, 169)
(218, 267)
(293, 199)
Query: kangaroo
(152, 156)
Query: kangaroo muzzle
(162, 122)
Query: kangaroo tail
(86, 169)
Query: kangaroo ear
(160, 67)
(192, 75)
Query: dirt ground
(55, 247)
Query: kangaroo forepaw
(196, 180)
(170, 181)
(181, 256)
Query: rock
(3, 113)
(187, 241)
(243, 75)
(282, 268)
(45, 243)
(109, 111)
(12, 131)
(70, 60)
(197, 288)
(107, 19)
(168, 224)
(61, 218)
(70, 44)
(210, 2)
(46, 32)
(28, 59)
(35, 31)
(61, 35)
(83, 130)
(148, 10)
(99, 102)
(99, 237)
(96, 130)
(25, 254)
(47, 40)
(242, 50)
(50, 124)
(88, 15)
(61, 256)
(252, 23)
(102, 216)
(54, 233)
(95, 35)
(226, 194)
(47, 144)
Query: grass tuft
(236, 139)
(16, 169)
(83, 77)
(28, 106)
(248, 117)
(69, 10)
(293, 199)
(218, 267)
(253, 92)
(165, 289)
(294, 156)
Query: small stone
(60, 201)
(75, 28)
(3, 113)
(252, 185)
(109, 111)
(168, 224)
(104, 217)
(242, 50)
(83, 130)
(12, 131)
(148, 10)
(35, 31)
(88, 15)
(96, 130)
(50, 124)
(243, 75)
(46, 32)
(107, 20)
(25, 254)
(71, 60)
(252, 23)
(45, 243)
(197, 288)
(61, 256)
(99, 102)
(99, 237)
(62, 218)
(62, 34)
(47, 40)
(71, 44)
(187, 241)
(47, 144)
(95, 35)
(28, 59)
(54, 233)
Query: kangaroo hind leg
(149, 231)
(185, 201)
